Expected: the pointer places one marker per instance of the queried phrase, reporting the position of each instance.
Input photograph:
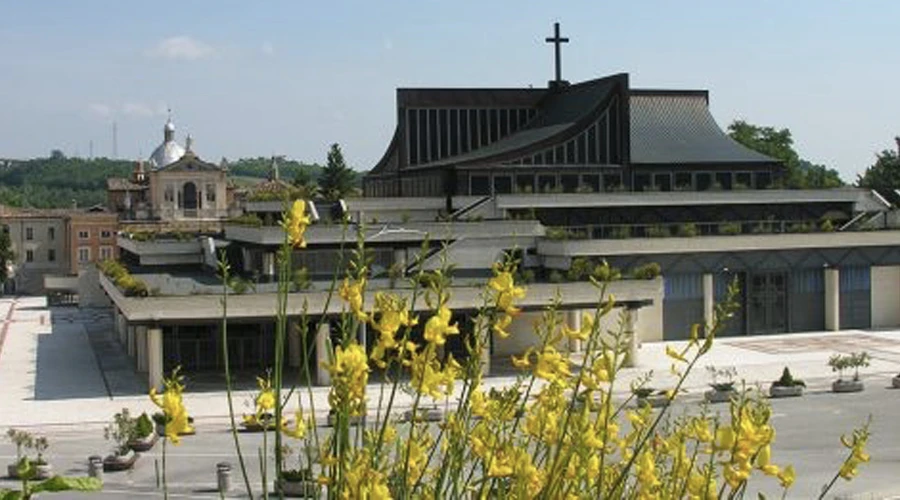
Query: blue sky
(257, 78)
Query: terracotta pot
(847, 386)
(783, 391)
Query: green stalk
(284, 266)
(165, 483)
(223, 266)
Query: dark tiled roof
(558, 111)
(676, 127)
(122, 184)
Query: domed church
(174, 184)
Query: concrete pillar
(832, 299)
(141, 348)
(123, 329)
(154, 357)
(634, 341)
(574, 320)
(400, 257)
(129, 344)
(709, 300)
(486, 352)
(323, 334)
(268, 262)
(362, 336)
(294, 345)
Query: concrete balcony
(392, 232)
(163, 251)
(700, 244)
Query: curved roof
(165, 154)
(677, 127)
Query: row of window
(433, 134)
(485, 184)
(701, 181)
(84, 254)
(83, 234)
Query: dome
(169, 151)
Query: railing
(687, 229)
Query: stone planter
(847, 386)
(785, 391)
(114, 463)
(12, 471)
(297, 489)
(895, 382)
(717, 396)
(42, 471)
(354, 419)
(654, 401)
(144, 444)
(433, 414)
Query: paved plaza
(62, 374)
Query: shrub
(787, 380)
(658, 231)
(854, 360)
(580, 269)
(688, 230)
(250, 220)
(605, 273)
(646, 271)
(557, 233)
(730, 228)
(556, 277)
(722, 378)
(827, 226)
(620, 232)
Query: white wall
(885, 296)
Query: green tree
(884, 174)
(337, 180)
(779, 144)
(7, 256)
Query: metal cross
(556, 40)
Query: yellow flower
(352, 293)
(505, 290)
(438, 326)
(587, 326)
(299, 429)
(552, 366)
(522, 361)
(787, 476)
(265, 400)
(295, 224)
(501, 325)
(349, 375)
(173, 409)
(392, 313)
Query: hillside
(61, 182)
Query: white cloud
(140, 109)
(100, 109)
(181, 47)
(267, 48)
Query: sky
(292, 77)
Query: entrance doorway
(767, 302)
(189, 199)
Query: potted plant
(143, 437)
(42, 469)
(262, 418)
(722, 386)
(299, 482)
(787, 386)
(23, 440)
(841, 362)
(648, 396)
(121, 431)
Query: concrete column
(574, 320)
(154, 357)
(400, 257)
(129, 344)
(486, 352)
(123, 329)
(634, 341)
(709, 300)
(323, 333)
(294, 345)
(362, 336)
(832, 299)
(269, 264)
(141, 348)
